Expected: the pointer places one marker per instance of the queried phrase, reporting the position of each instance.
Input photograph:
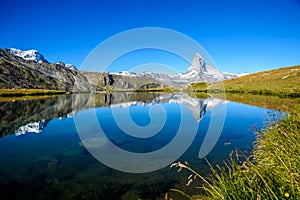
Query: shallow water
(116, 146)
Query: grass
(197, 87)
(283, 82)
(271, 172)
(278, 82)
(162, 89)
(28, 92)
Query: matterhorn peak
(198, 64)
(198, 56)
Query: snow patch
(242, 74)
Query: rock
(52, 166)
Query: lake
(119, 145)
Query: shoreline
(29, 92)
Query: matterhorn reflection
(198, 107)
(24, 116)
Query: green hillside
(279, 82)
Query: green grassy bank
(283, 82)
(271, 172)
(28, 92)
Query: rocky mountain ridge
(17, 72)
(36, 56)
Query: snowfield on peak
(33, 55)
(36, 56)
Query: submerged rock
(93, 142)
(52, 166)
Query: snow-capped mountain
(67, 65)
(33, 55)
(198, 71)
(125, 73)
(36, 56)
(228, 75)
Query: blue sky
(239, 35)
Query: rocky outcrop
(110, 81)
(17, 73)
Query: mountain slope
(285, 80)
(36, 56)
(281, 82)
(110, 81)
(17, 72)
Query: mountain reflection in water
(32, 116)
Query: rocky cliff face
(108, 81)
(68, 66)
(18, 72)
